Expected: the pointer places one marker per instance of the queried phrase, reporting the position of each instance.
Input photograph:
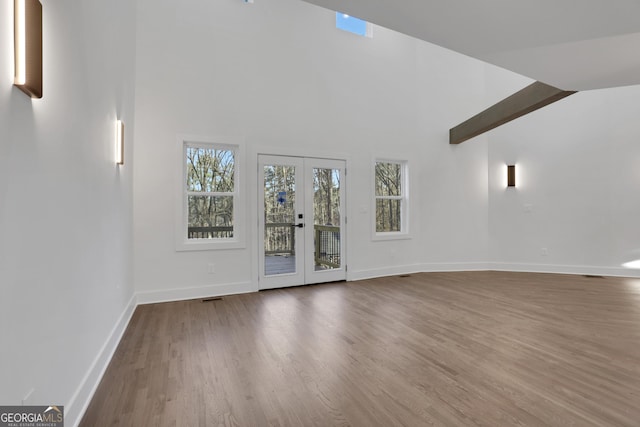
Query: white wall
(65, 208)
(279, 74)
(578, 172)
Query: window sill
(209, 245)
(381, 237)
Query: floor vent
(593, 276)
(405, 275)
(212, 299)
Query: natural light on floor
(632, 264)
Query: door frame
(305, 265)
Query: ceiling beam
(531, 98)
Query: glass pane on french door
(301, 228)
(326, 219)
(279, 219)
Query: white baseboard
(80, 400)
(180, 294)
(564, 269)
(495, 266)
(416, 268)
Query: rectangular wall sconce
(27, 39)
(511, 176)
(119, 142)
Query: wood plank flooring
(444, 349)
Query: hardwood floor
(447, 349)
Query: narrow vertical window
(390, 197)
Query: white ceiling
(570, 44)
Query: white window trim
(239, 219)
(404, 233)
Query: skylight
(352, 24)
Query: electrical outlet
(211, 268)
(544, 251)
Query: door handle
(298, 225)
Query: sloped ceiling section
(570, 44)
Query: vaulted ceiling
(569, 44)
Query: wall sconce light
(27, 39)
(119, 142)
(511, 175)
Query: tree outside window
(211, 191)
(390, 196)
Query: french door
(302, 215)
